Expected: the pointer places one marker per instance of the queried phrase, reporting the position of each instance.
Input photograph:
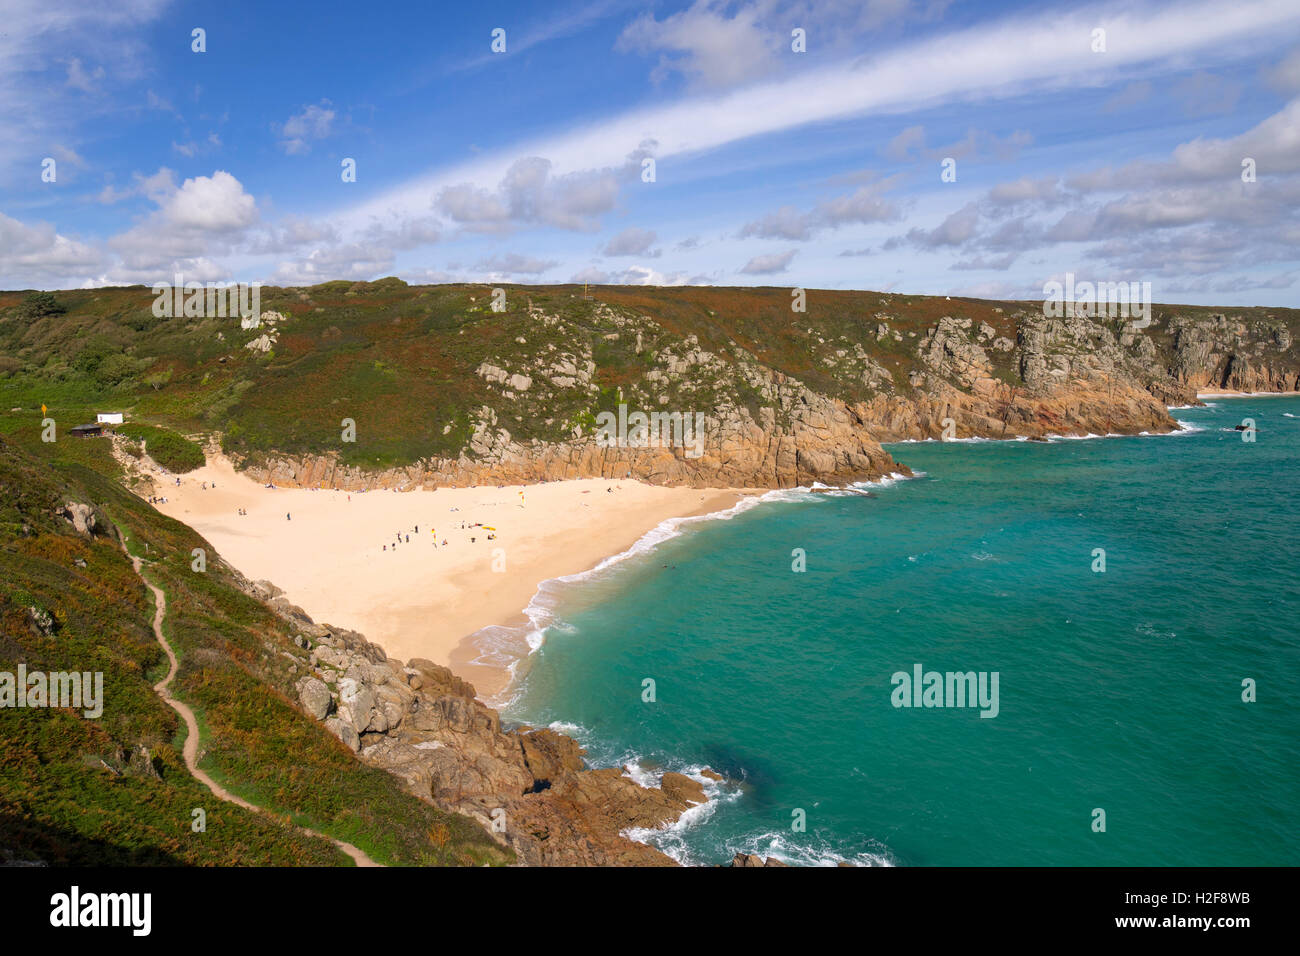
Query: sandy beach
(356, 560)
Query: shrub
(39, 304)
(174, 452)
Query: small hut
(86, 431)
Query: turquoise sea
(1118, 690)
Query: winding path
(191, 749)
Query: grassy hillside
(405, 363)
(114, 789)
(174, 452)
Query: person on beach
(287, 516)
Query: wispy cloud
(315, 122)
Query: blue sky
(819, 169)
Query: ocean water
(1118, 690)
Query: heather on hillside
(424, 371)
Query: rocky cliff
(530, 789)
(385, 385)
(993, 372)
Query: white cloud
(79, 78)
(348, 261)
(631, 242)
(706, 45)
(528, 194)
(768, 264)
(36, 74)
(515, 264)
(206, 216)
(864, 205)
(721, 43)
(910, 146)
(1026, 189)
(638, 275)
(215, 203)
(38, 253)
(156, 187)
(967, 65)
(314, 122)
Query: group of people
(404, 537)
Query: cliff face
(1004, 376)
(1231, 354)
(529, 788)
(807, 437)
(385, 385)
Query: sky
(935, 147)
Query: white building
(109, 418)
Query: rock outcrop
(1227, 353)
(1031, 375)
(530, 788)
(85, 519)
(805, 438)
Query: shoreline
(338, 554)
(492, 679)
(525, 625)
(1230, 394)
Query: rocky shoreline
(1072, 376)
(530, 788)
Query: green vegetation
(174, 452)
(40, 304)
(114, 790)
(403, 361)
